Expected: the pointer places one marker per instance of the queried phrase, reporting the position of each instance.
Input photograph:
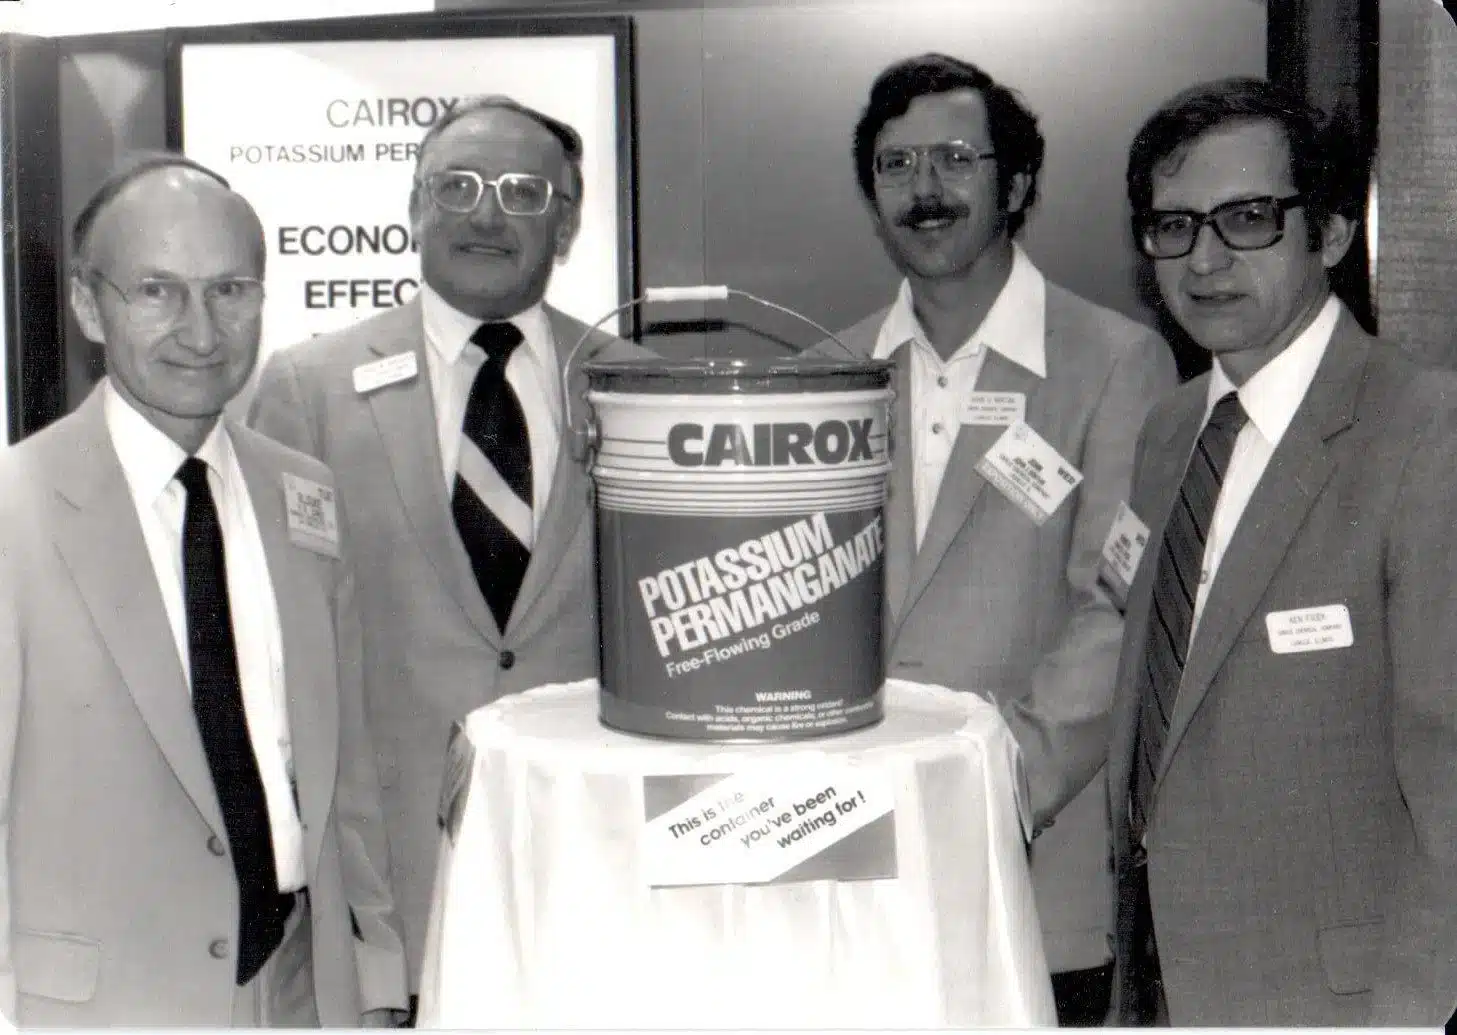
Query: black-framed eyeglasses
(952, 160)
(1245, 225)
(162, 301)
(518, 194)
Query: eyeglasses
(953, 160)
(1246, 225)
(518, 194)
(162, 301)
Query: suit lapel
(1298, 470)
(962, 485)
(310, 675)
(570, 486)
(900, 517)
(404, 414)
(100, 538)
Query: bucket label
(741, 626)
(787, 444)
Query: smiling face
(174, 224)
(486, 263)
(935, 227)
(1243, 306)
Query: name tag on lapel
(1122, 552)
(1309, 628)
(388, 371)
(1029, 472)
(313, 521)
(998, 409)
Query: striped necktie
(1175, 588)
(492, 497)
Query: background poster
(321, 137)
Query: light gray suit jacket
(111, 890)
(1302, 843)
(432, 650)
(994, 605)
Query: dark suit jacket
(432, 650)
(1302, 844)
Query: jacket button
(508, 658)
(218, 948)
(215, 846)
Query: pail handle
(584, 439)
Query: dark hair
(1013, 127)
(132, 167)
(1323, 156)
(568, 137)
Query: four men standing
(1282, 724)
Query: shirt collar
(1015, 325)
(1271, 397)
(149, 459)
(448, 330)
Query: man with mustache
(443, 420)
(983, 594)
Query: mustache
(924, 210)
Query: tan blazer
(1302, 844)
(992, 604)
(111, 901)
(432, 650)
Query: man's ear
(1335, 239)
(1017, 192)
(86, 309)
(568, 223)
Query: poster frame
(473, 25)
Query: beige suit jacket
(1302, 843)
(994, 605)
(432, 650)
(110, 896)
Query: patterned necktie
(1175, 588)
(492, 496)
(217, 702)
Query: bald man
(188, 795)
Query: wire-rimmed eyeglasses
(162, 301)
(518, 194)
(952, 160)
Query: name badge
(313, 522)
(1029, 472)
(388, 371)
(999, 409)
(1309, 628)
(1122, 551)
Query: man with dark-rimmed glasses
(1285, 724)
(444, 421)
(985, 594)
(190, 824)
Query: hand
(383, 1018)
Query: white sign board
(321, 136)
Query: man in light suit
(980, 596)
(462, 602)
(188, 798)
(1285, 727)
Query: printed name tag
(1029, 472)
(1310, 628)
(1000, 409)
(1122, 551)
(312, 520)
(388, 371)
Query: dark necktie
(1175, 587)
(217, 701)
(492, 496)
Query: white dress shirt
(149, 460)
(532, 372)
(1015, 326)
(1270, 398)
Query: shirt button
(508, 658)
(936, 428)
(218, 948)
(943, 381)
(215, 846)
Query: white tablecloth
(543, 917)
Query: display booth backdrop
(324, 146)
